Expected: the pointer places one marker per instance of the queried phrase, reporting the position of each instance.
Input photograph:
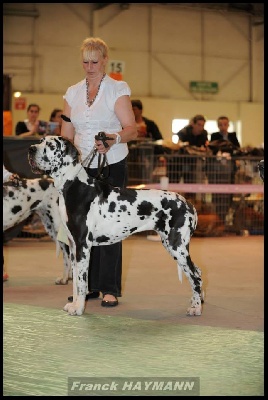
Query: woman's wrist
(118, 138)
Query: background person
(146, 127)
(106, 102)
(195, 135)
(31, 126)
(55, 117)
(223, 134)
(143, 156)
(223, 169)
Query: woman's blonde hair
(92, 45)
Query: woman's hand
(104, 145)
(99, 145)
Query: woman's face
(33, 113)
(94, 64)
(57, 117)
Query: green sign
(204, 87)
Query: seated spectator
(147, 128)
(31, 126)
(144, 156)
(222, 169)
(55, 117)
(195, 135)
(223, 134)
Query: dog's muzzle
(31, 158)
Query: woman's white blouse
(99, 117)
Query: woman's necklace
(90, 102)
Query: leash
(102, 159)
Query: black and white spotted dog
(40, 196)
(96, 213)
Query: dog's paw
(194, 311)
(73, 309)
(61, 281)
(66, 307)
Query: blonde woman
(96, 104)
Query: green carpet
(44, 347)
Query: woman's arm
(124, 112)
(67, 129)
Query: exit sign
(204, 87)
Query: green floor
(43, 347)
(148, 337)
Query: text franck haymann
(128, 384)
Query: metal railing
(226, 190)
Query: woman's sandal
(109, 303)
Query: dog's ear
(71, 150)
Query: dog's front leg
(80, 284)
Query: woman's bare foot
(109, 297)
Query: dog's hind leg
(193, 273)
(67, 268)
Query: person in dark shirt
(195, 135)
(223, 134)
(144, 156)
(146, 127)
(31, 126)
(222, 172)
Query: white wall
(163, 48)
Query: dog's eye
(51, 146)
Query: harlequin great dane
(21, 199)
(96, 213)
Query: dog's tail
(195, 219)
(58, 249)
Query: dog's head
(51, 154)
